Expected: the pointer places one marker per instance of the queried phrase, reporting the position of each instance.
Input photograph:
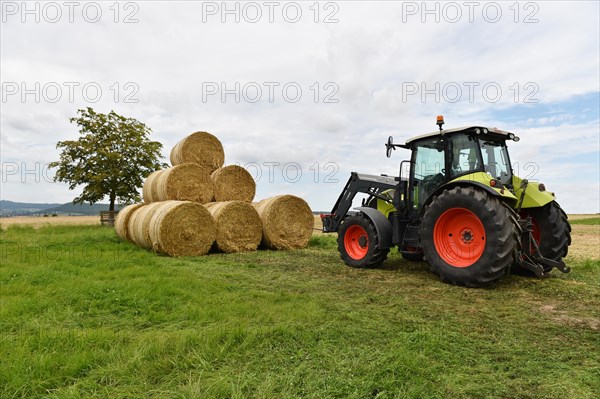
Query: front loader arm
(357, 183)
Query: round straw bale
(185, 182)
(233, 183)
(149, 188)
(239, 228)
(201, 148)
(122, 220)
(139, 222)
(182, 228)
(287, 222)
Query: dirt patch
(40, 221)
(585, 242)
(561, 317)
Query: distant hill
(85, 209)
(10, 208)
(10, 205)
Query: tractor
(461, 209)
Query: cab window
(429, 169)
(464, 155)
(495, 159)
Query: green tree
(111, 157)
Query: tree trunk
(112, 201)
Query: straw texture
(233, 183)
(185, 182)
(122, 220)
(201, 148)
(239, 228)
(287, 222)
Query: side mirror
(389, 146)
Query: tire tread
(494, 263)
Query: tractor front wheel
(468, 237)
(358, 243)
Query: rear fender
(382, 226)
(482, 180)
(533, 196)
(505, 195)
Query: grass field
(587, 221)
(84, 315)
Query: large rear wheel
(468, 237)
(358, 242)
(551, 230)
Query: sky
(303, 93)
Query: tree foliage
(111, 158)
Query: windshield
(495, 160)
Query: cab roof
(493, 130)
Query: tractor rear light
(541, 187)
(497, 184)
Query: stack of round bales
(198, 203)
(198, 174)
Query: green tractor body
(461, 209)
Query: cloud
(368, 64)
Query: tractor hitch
(531, 257)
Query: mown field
(84, 315)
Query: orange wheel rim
(459, 237)
(356, 242)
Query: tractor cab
(440, 157)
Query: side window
(429, 160)
(464, 156)
(496, 161)
(429, 170)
